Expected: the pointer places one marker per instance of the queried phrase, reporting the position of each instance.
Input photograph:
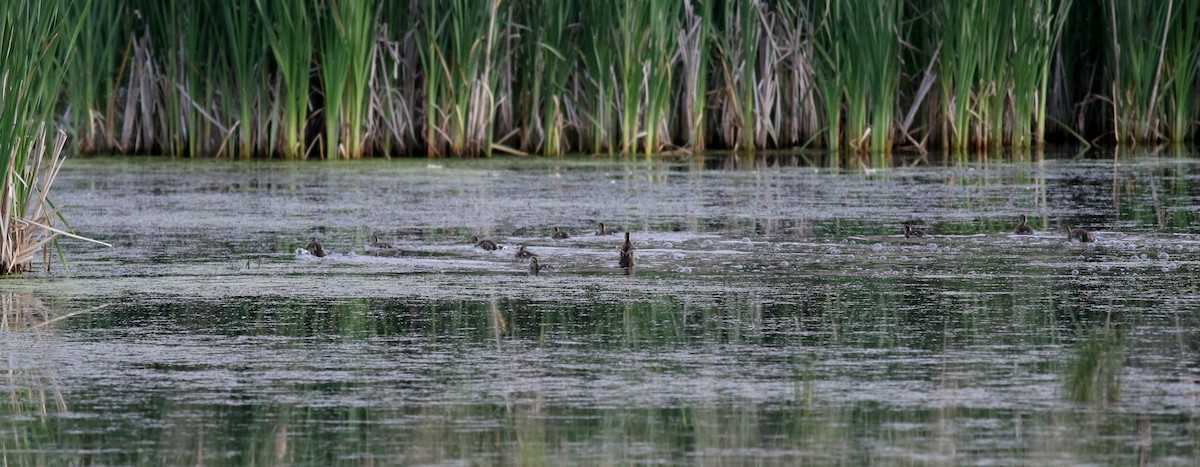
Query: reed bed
(339, 79)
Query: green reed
(696, 30)
(738, 44)
(287, 25)
(243, 25)
(858, 43)
(596, 88)
(972, 56)
(395, 89)
(646, 44)
(1138, 32)
(455, 77)
(460, 58)
(1182, 66)
(799, 114)
(36, 41)
(1037, 27)
(92, 91)
(345, 45)
(548, 60)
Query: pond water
(776, 314)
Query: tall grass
(739, 42)
(339, 78)
(460, 57)
(1139, 33)
(1181, 68)
(346, 42)
(93, 116)
(243, 25)
(36, 39)
(287, 25)
(393, 119)
(549, 57)
(596, 87)
(645, 43)
(859, 48)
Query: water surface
(776, 315)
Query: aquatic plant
(35, 40)
(1095, 372)
(548, 56)
(346, 42)
(1139, 34)
(454, 77)
(393, 119)
(858, 44)
(460, 59)
(287, 24)
(93, 116)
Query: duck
(627, 252)
(559, 235)
(1079, 234)
(485, 244)
(375, 243)
(1023, 229)
(601, 231)
(314, 248)
(910, 232)
(524, 252)
(535, 268)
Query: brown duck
(535, 268)
(1079, 234)
(911, 232)
(627, 252)
(485, 244)
(375, 243)
(524, 252)
(1023, 229)
(314, 247)
(559, 235)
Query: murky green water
(776, 315)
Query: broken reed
(337, 79)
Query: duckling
(524, 252)
(627, 252)
(375, 243)
(559, 235)
(910, 232)
(1079, 234)
(601, 231)
(314, 247)
(485, 244)
(1023, 229)
(535, 268)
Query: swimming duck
(485, 244)
(525, 253)
(910, 231)
(1023, 229)
(535, 268)
(559, 235)
(601, 231)
(375, 243)
(314, 247)
(627, 252)
(1079, 234)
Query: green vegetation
(35, 41)
(295, 78)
